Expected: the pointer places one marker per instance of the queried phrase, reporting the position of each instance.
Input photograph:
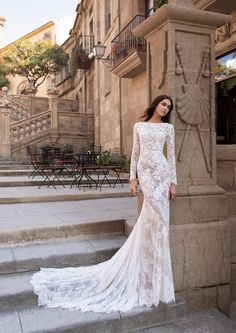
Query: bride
(140, 272)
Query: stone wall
(182, 66)
(226, 178)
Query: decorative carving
(30, 127)
(19, 110)
(222, 33)
(4, 99)
(164, 61)
(193, 106)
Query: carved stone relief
(222, 33)
(193, 106)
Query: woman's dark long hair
(150, 110)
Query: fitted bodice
(148, 143)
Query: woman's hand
(134, 186)
(172, 192)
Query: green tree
(159, 3)
(3, 72)
(33, 60)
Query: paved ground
(44, 190)
(20, 215)
(206, 321)
(26, 215)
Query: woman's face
(163, 107)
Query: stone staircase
(54, 231)
(48, 236)
(92, 242)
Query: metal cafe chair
(34, 156)
(85, 168)
(51, 168)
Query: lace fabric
(140, 272)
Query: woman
(140, 272)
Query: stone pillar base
(5, 151)
(200, 246)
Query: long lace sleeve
(135, 154)
(170, 142)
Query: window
(225, 66)
(47, 35)
(225, 75)
(91, 27)
(107, 15)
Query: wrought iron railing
(83, 47)
(126, 42)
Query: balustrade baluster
(21, 133)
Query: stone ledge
(131, 66)
(59, 253)
(205, 298)
(198, 209)
(226, 153)
(201, 254)
(196, 190)
(38, 319)
(81, 230)
(182, 14)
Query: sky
(23, 16)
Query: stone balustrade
(19, 110)
(30, 127)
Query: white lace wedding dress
(140, 272)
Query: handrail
(126, 42)
(19, 109)
(31, 126)
(130, 22)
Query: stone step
(4, 161)
(14, 173)
(56, 253)
(16, 290)
(37, 319)
(8, 167)
(201, 321)
(84, 229)
(29, 194)
(15, 181)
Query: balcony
(128, 52)
(83, 47)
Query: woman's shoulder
(137, 124)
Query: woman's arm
(134, 162)
(170, 142)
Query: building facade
(116, 90)
(18, 84)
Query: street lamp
(98, 53)
(99, 50)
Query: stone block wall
(226, 178)
(200, 246)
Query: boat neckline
(148, 122)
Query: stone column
(5, 143)
(53, 103)
(181, 44)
